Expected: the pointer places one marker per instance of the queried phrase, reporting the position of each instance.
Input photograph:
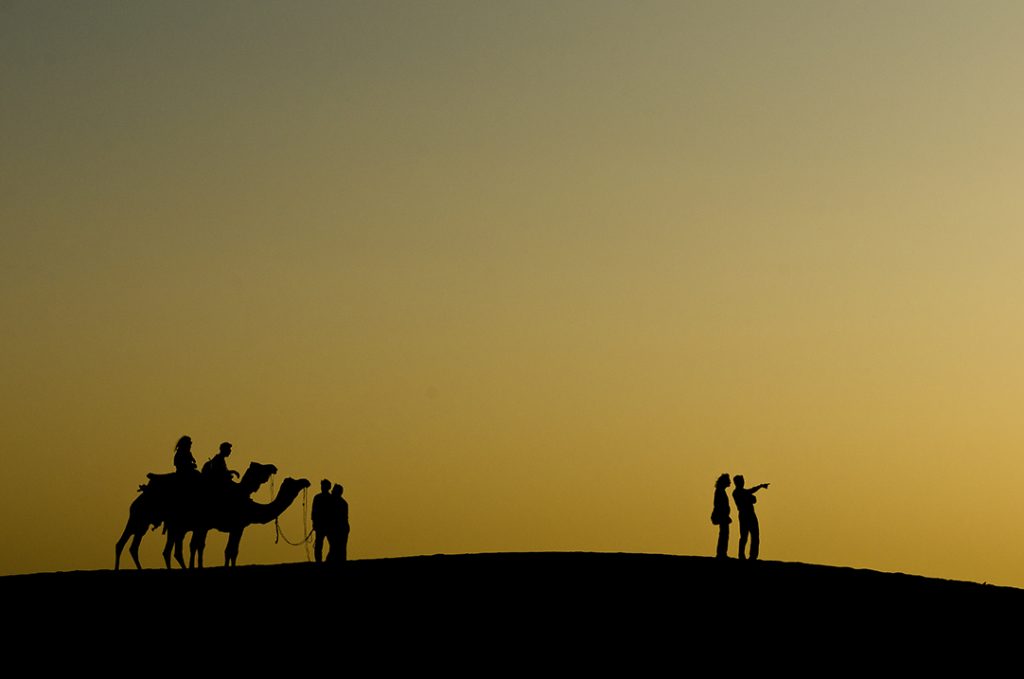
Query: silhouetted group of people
(720, 516)
(329, 513)
(330, 523)
(330, 509)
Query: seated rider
(216, 468)
(184, 461)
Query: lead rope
(279, 534)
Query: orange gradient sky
(520, 275)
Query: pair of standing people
(330, 521)
(744, 499)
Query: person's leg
(744, 530)
(723, 541)
(318, 547)
(755, 537)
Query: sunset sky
(521, 275)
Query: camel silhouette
(184, 503)
(232, 518)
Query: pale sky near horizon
(521, 275)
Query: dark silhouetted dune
(582, 606)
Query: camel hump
(161, 483)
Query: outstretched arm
(758, 487)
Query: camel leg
(121, 542)
(133, 549)
(196, 547)
(179, 553)
(168, 546)
(231, 551)
(138, 522)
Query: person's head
(337, 490)
(184, 444)
(325, 486)
(722, 482)
(225, 449)
(738, 480)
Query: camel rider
(216, 468)
(184, 461)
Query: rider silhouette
(216, 468)
(184, 461)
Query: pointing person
(745, 500)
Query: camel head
(290, 489)
(295, 486)
(256, 475)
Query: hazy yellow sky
(520, 275)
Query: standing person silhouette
(339, 526)
(321, 515)
(720, 516)
(744, 499)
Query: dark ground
(573, 609)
